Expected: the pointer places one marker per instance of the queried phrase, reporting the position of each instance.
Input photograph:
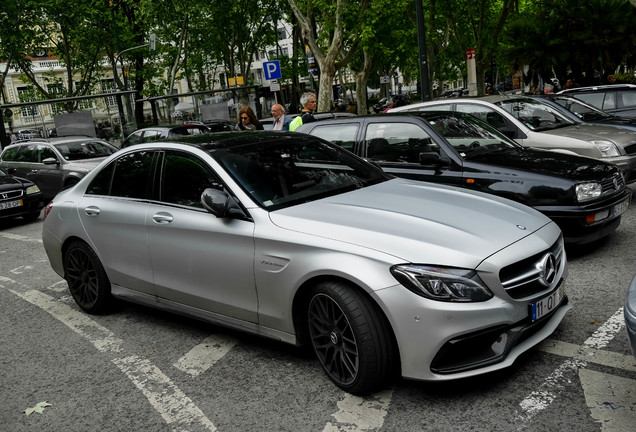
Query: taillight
(48, 209)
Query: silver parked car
(616, 99)
(532, 122)
(56, 163)
(291, 237)
(630, 315)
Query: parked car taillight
(48, 209)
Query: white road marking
(601, 357)
(360, 414)
(554, 384)
(611, 400)
(20, 237)
(175, 407)
(60, 286)
(204, 355)
(168, 400)
(21, 269)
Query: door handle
(162, 218)
(92, 211)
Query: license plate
(10, 204)
(620, 208)
(547, 304)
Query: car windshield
(535, 114)
(289, 172)
(470, 136)
(582, 110)
(78, 150)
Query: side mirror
(221, 204)
(433, 158)
(50, 161)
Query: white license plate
(620, 208)
(547, 304)
(10, 204)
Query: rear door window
(130, 176)
(594, 99)
(151, 135)
(342, 134)
(397, 142)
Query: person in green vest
(308, 101)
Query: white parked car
(534, 123)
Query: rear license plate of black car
(547, 304)
(10, 204)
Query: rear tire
(350, 337)
(86, 278)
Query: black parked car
(19, 197)
(56, 163)
(584, 196)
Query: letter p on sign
(272, 70)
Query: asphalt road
(142, 370)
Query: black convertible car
(584, 196)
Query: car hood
(549, 163)
(591, 132)
(416, 221)
(10, 183)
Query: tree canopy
(353, 40)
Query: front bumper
(30, 204)
(574, 222)
(446, 340)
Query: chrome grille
(522, 280)
(630, 149)
(10, 195)
(612, 184)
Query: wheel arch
(301, 302)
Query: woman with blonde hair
(247, 119)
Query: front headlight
(588, 191)
(32, 189)
(442, 283)
(607, 148)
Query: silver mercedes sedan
(293, 238)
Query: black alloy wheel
(86, 278)
(350, 338)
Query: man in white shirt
(281, 121)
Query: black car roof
(218, 140)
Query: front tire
(350, 337)
(86, 278)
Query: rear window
(19, 153)
(78, 150)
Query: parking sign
(272, 70)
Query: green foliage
(561, 35)
(198, 38)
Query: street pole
(421, 34)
